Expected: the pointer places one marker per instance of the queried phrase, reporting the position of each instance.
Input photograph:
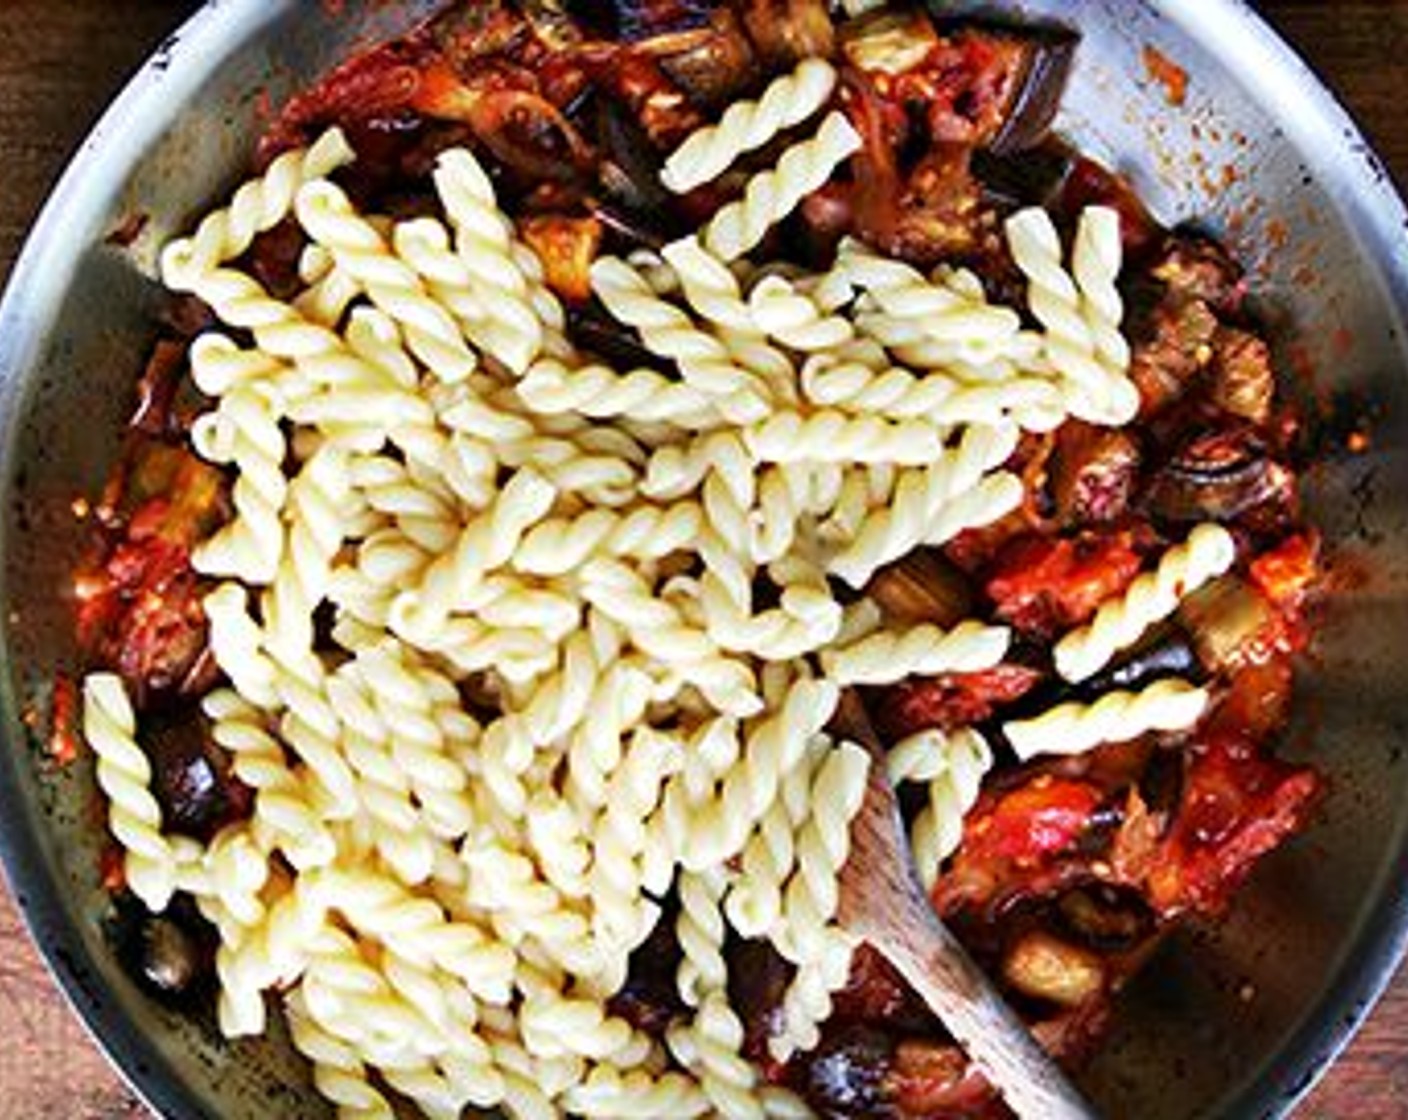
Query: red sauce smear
(1168, 74)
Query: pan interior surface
(1230, 1021)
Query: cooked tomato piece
(1288, 571)
(1042, 585)
(949, 701)
(1237, 805)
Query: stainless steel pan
(1229, 1022)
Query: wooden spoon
(883, 903)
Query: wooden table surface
(60, 62)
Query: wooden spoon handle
(999, 1044)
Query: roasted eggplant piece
(712, 65)
(1231, 624)
(1173, 346)
(980, 86)
(1197, 267)
(1094, 472)
(1045, 967)
(923, 587)
(1243, 383)
(1108, 919)
(787, 31)
(1217, 475)
(848, 1075)
(191, 776)
(637, 20)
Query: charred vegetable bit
(1046, 585)
(922, 587)
(139, 602)
(1094, 473)
(950, 701)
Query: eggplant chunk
(980, 86)
(1044, 967)
(1217, 475)
(1196, 267)
(1229, 621)
(847, 1076)
(1109, 919)
(1173, 348)
(712, 65)
(889, 41)
(643, 19)
(787, 31)
(923, 587)
(1242, 379)
(191, 776)
(1094, 472)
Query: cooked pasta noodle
(1117, 717)
(1207, 553)
(772, 195)
(749, 125)
(520, 641)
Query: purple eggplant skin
(1037, 98)
(1217, 475)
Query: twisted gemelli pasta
(1208, 552)
(749, 125)
(1096, 259)
(828, 437)
(124, 775)
(1117, 717)
(1075, 325)
(256, 208)
(514, 333)
(951, 767)
(394, 286)
(521, 642)
(923, 651)
(923, 501)
(703, 360)
(794, 319)
(772, 195)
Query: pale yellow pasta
(830, 436)
(484, 241)
(772, 195)
(925, 650)
(1117, 717)
(124, 775)
(284, 810)
(749, 125)
(338, 1070)
(921, 498)
(244, 432)
(608, 1093)
(915, 308)
(257, 207)
(328, 216)
(584, 639)
(1208, 552)
(596, 390)
(951, 767)
(794, 319)
(704, 361)
(710, 1046)
(897, 393)
(1096, 259)
(1074, 327)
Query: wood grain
(62, 60)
